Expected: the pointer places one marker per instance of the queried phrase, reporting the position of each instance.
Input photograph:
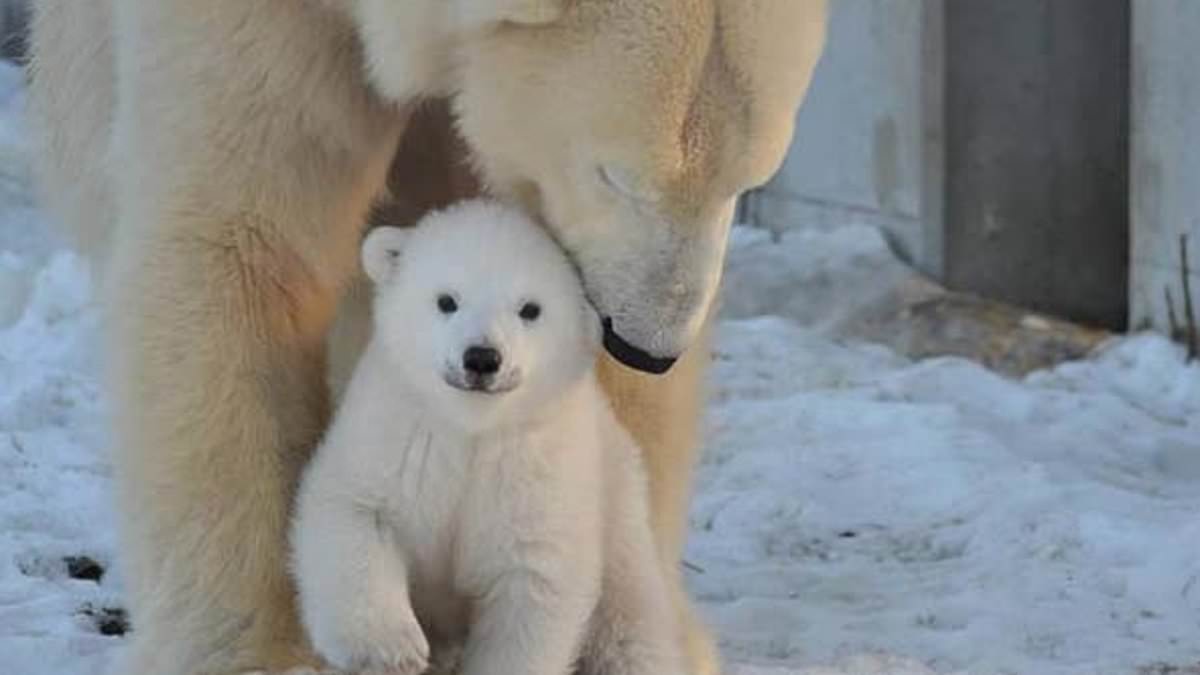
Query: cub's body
(507, 510)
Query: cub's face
(628, 126)
(481, 314)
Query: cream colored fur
(219, 159)
(517, 521)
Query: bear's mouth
(632, 356)
(485, 385)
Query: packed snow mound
(55, 485)
(822, 279)
(851, 501)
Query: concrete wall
(14, 19)
(859, 147)
(1166, 158)
(1037, 125)
(988, 138)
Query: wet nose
(481, 360)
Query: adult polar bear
(221, 156)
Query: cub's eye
(530, 311)
(446, 304)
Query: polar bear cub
(475, 488)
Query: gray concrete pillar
(1166, 166)
(1036, 149)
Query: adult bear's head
(629, 126)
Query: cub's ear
(382, 250)
(523, 12)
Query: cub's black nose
(481, 360)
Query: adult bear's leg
(247, 149)
(71, 100)
(663, 413)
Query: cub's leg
(527, 623)
(635, 629)
(353, 585)
(663, 414)
(247, 163)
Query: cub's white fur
(507, 510)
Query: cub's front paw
(381, 644)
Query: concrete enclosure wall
(1036, 210)
(1166, 161)
(858, 151)
(988, 138)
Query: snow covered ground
(856, 512)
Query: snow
(855, 511)
(850, 501)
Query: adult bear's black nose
(482, 360)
